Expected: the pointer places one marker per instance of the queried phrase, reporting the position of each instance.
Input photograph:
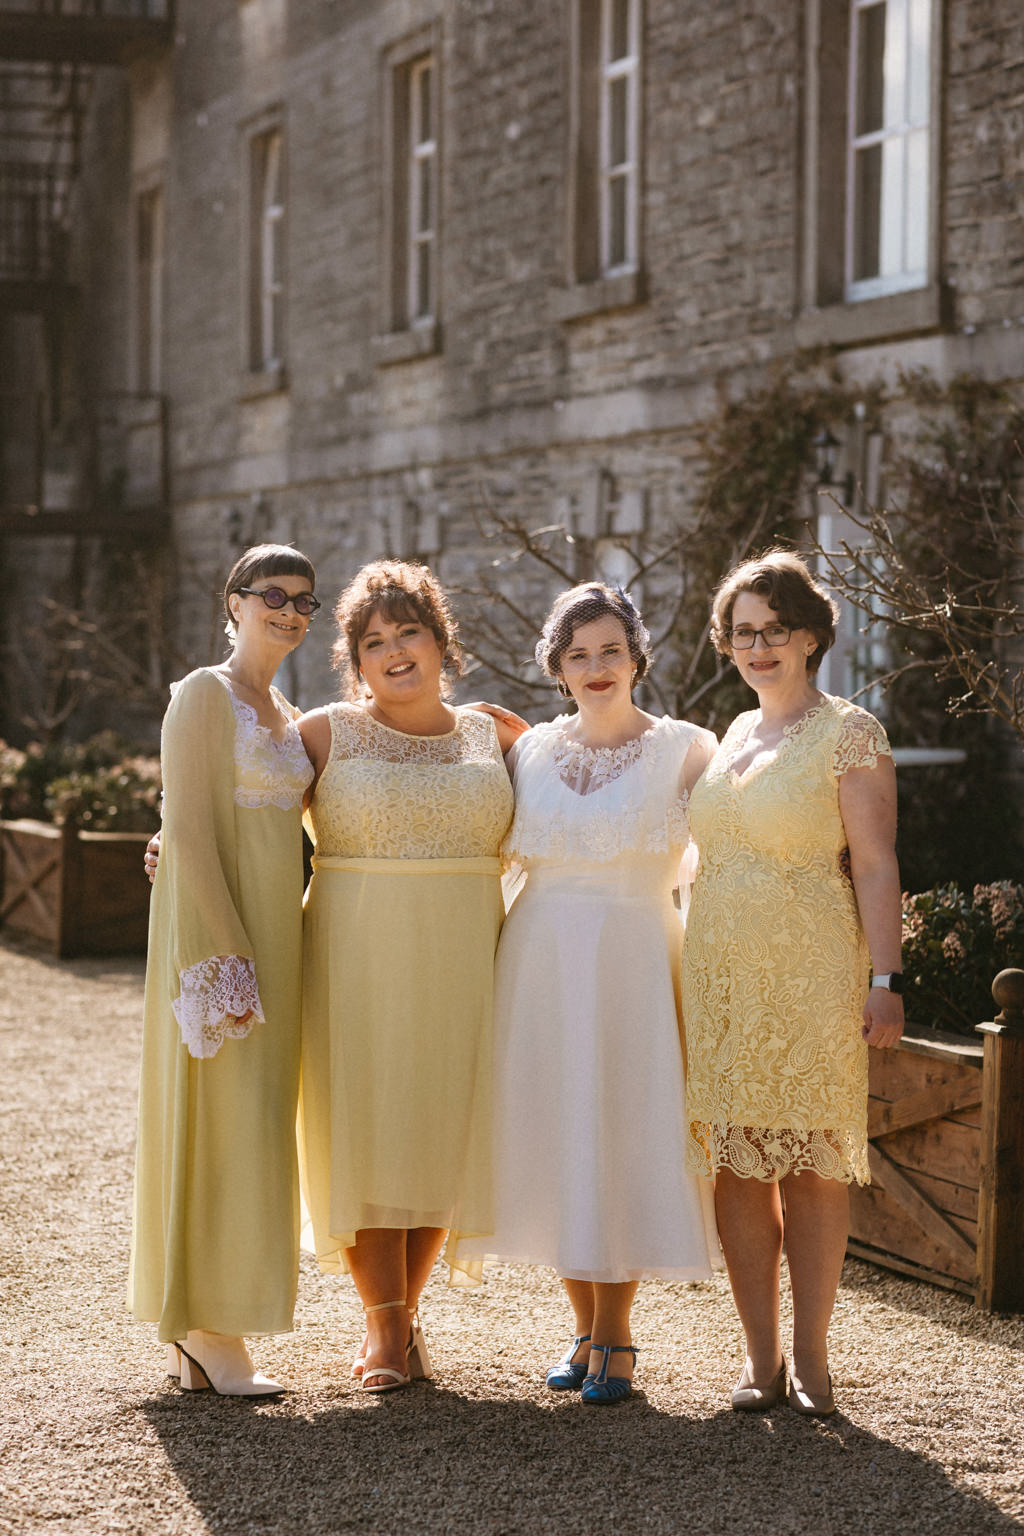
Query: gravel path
(93, 1438)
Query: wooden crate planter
(81, 893)
(946, 1151)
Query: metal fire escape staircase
(69, 463)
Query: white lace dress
(215, 1240)
(590, 1112)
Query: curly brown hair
(398, 590)
(785, 583)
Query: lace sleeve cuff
(214, 994)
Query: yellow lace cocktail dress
(775, 964)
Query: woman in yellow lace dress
(412, 799)
(791, 969)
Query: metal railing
(33, 240)
(98, 456)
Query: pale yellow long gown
(216, 1221)
(402, 919)
(775, 964)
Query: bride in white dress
(590, 1114)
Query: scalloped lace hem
(214, 995)
(753, 1153)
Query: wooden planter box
(81, 893)
(946, 1151)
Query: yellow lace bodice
(386, 795)
(775, 963)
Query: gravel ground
(94, 1438)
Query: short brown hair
(785, 583)
(582, 605)
(397, 590)
(265, 560)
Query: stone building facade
(385, 262)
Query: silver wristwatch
(892, 981)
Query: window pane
(617, 247)
(917, 201)
(919, 84)
(618, 121)
(870, 80)
(895, 63)
(867, 189)
(424, 133)
(422, 258)
(424, 181)
(891, 219)
(618, 39)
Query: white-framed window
(149, 288)
(421, 178)
(605, 166)
(411, 234)
(618, 190)
(888, 171)
(266, 250)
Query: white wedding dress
(590, 1112)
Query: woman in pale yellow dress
(216, 1225)
(411, 802)
(791, 969)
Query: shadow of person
(427, 1459)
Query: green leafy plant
(101, 785)
(954, 944)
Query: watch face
(896, 982)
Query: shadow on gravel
(427, 1460)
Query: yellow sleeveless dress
(775, 964)
(401, 923)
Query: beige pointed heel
(748, 1397)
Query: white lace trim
(647, 814)
(214, 995)
(586, 769)
(268, 771)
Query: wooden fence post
(1001, 1194)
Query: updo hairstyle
(264, 560)
(581, 605)
(785, 583)
(400, 591)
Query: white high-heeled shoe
(417, 1358)
(221, 1362)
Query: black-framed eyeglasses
(744, 637)
(276, 597)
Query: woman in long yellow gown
(215, 1238)
(411, 802)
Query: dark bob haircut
(265, 560)
(785, 583)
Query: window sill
(867, 320)
(264, 381)
(595, 298)
(406, 346)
